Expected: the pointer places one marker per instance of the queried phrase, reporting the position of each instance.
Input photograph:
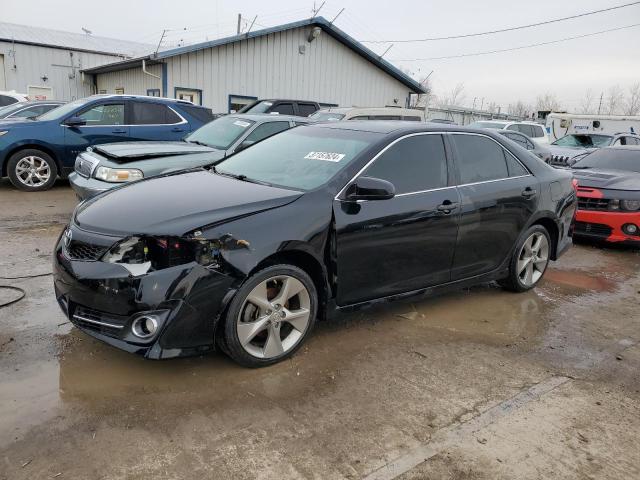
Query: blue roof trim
(321, 22)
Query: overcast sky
(566, 70)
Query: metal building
(309, 60)
(47, 64)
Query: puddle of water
(578, 281)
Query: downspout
(146, 72)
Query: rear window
(327, 116)
(306, 109)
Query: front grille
(84, 251)
(588, 203)
(84, 166)
(587, 228)
(561, 160)
(105, 323)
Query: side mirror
(369, 188)
(75, 122)
(245, 144)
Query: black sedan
(319, 219)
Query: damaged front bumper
(106, 301)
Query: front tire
(32, 170)
(529, 261)
(270, 316)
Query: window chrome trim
(181, 122)
(375, 157)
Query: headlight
(631, 205)
(3, 132)
(118, 175)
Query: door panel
(393, 246)
(155, 121)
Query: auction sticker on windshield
(327, 156)
(242, 124)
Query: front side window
(104, 114)
(6, 100)
(479, 159)
(528, 130)
(266, 130)
(300, 158)
(146, 113)
(412, 164)
(222, 132)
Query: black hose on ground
(11, 302)
(27, 276)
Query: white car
(336, 114)
(534, 131)
(9, 98)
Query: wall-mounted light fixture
(314, 33)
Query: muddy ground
(479, 384)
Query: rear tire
(32, 170)
(271, 316)
(529, 260)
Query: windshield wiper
(241, 177)
(198, 142)
(580, 168)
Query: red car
(609, 195)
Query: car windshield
(259, 107)
(62, 110)
(499, 126)
(221, 133)
(611, 159)
(326, 117)
(583, 141)
(4, 111)
(302, 158)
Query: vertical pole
(600, 104)
(239, 21)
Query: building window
(153, 92)
(237, 102)
(120, 91)
(102, 92)
(192, 95)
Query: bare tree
(614, 99)
(520, 109)
(587, 105)
(423, 100)
(547, 101)
(456, 97)
(492, 107)
(632, 105)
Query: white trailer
(561, 124)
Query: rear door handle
(447, 207)
(529, 192)
(177, 129)
(118, 130)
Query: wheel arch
(552, 228)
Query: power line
(518, 48)
(510, 29)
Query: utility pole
(160, 42)
(600, 104)
(239, 22)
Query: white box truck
(561, 124)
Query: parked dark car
(569, 149)
(609, 195)
(106, 166)
(541, 151)
(300, 108)
(34, 153)
(22, 110)
(316, 220)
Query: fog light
(630, 229)
(145, 326)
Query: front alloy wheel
(270, 316)
(32, 170)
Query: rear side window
(519, 139)
(266, 130)
(538, 131)
(385, 117)
(528, 130)
(479, 159)
(145, 113)
(205, 115)
(413, 164)
(411, 118)
(514, 166)
(306, 109)
(283, 109)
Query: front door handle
(447, 207)
(118, 130)
(529, 192)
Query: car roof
(146, 98)
(283, 100)
(398, 126)
(264, 117)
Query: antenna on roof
(160, 42)
(87, 31)
(251, 26)
(385, 52)
(316, 10)
(334, 18)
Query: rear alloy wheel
(32, 170)
(270, 316)
(530, 260)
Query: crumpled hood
(608, 179)
(175, 204)
(130, 151)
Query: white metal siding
(61, 67)
(271, 66)
(133, 80)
